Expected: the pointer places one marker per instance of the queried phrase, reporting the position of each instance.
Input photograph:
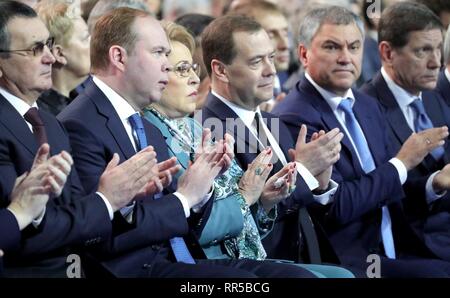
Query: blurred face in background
(76, 51)
(276, 26)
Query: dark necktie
(423, 122)
(307, 234)
(32, 117)
(178, 245)
(368, 165)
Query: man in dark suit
(240, 83)
(71, 217)
(404, 84)
(128, 75)
(365, 216)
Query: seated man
(365, 215)
(404, 89)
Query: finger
(113, 162)
(314, 136)
(67, 157)
(58, 175)
(147, 149)
(206, 138)
(54, 185)
(61, 163)
(266, 171)
(20, 179)
(167, 164)
(41, 155)
(301, 139)
(165, 178)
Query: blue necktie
(422, 122)
(178, 245)
(368, 165)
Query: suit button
(155, 247)
(146, 266)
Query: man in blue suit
(71, 217)
(365, 216)
(128, 75)
(405, 83)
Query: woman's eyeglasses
(37, 49)
(183, 69)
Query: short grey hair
(447, 46)
(104, 6)
(329, 14)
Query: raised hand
(420, 144)
(279, 186)
(121, 183)
(319, 154)
(251, 184)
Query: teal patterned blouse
(186, 135)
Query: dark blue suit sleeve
(9, 232)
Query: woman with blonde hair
(70, 49)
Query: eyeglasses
(37, 49)
(183, 68)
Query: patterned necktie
(178, 245)
(32, 117)
(368, 165)
(423, 122)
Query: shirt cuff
(184, 202)
(37, 221)
(310, 180)
(327, 197)
(430, 193)
(401, 169)
(108, 205)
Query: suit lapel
(113, 122)
(17, 126)
(329, 119)
(245, 142)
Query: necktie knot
(417, 105)
(346, 105)
(32, 116)
(136, 121)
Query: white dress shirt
(404, 100)
(22, 108)
(125, 110)
(247, 117)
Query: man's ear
(219, 71)
(118, 57)
(302, 53)
(386, 52)
(58, 53)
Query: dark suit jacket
(280, 243)
(58, 229)
(10, 233)
(353, 220)
(443, 87)
(96, 133)
(416, 209)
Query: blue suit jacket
(58, 229)
(10, 233)
(353, 220)
(96, 133)
(425, 223)
(281, 242)
(443, 87)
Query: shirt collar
(20, 105)
(331, 98)
(403, 97)
(122, 107)
(245, 115)
(447, 74)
